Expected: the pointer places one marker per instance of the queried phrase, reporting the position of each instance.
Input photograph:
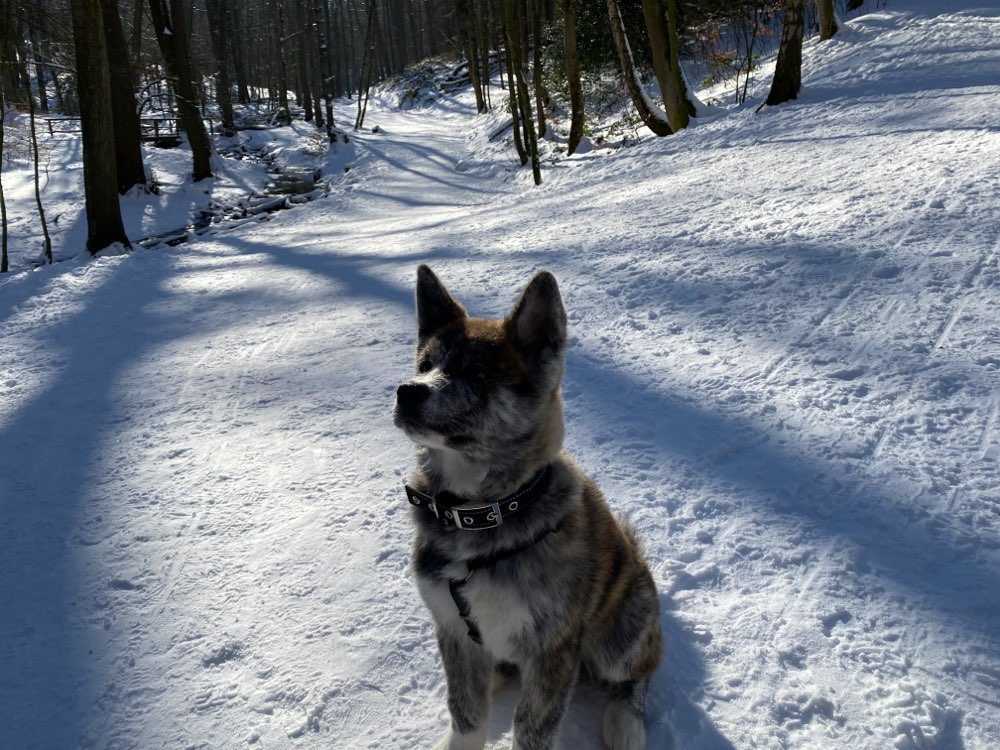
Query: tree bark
(541, 95)
(218, 32)
(4, 266)
(515, 40)
(653, 120)
(827, 19)
(104, 219)
(572, 65)
(128, 134)
(172, 36)
(788, 69)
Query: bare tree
(170, 25)
(572, 66)
(788, 69)
(648, 112)
(661, 25)
(3, 200)
(100, 179)
(217, 13)
(514, 25)
(827, 19)
(128, 136)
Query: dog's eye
(424, 366)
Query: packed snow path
(784, 367)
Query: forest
(158, 72)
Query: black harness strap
(455, 585)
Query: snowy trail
(784, 367)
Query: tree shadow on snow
(61, 593)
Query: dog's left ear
(538, 320)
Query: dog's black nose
(412, 394)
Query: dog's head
(486, 388)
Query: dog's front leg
(546, 685)
(468, 668)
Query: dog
(517, 554)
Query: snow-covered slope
(784, 367)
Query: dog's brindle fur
(485, 409)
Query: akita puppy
(517, 554)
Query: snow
(784, 367)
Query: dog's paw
(623, 730)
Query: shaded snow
(784, 367)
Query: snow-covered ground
(784, 366)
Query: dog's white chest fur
(498, 612)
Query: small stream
(289, 187)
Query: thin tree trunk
(283, 62)
(541, 96)
(467, 26)
(43, 97)
(137, 18)
(827, 19)
(47, 240)
(515, 39)
(218, 33)
(325, 63)
(653, 120)
(514, 109)
(483, 26)
(572, 65)
(171, 34)
(661, 25)
(104, 219)
(788, 69)
(232, 22)
(128, 134)
(4, 266)
(367, 63)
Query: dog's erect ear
(538, 321)
(435, 307)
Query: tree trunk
(4, 266)
(43, 97)
(541, 95)
(515, 40)
(367, 63)
(10, 76)
(128, 134)
(218, 32)
(283, 62)
(661, 25)
(466, 22)
(172, 36)
(572, 65)
(514, 109)
(137, 31)
(232, 21)
(827, 19)
(46, 239)
(104, 219)
(653, 120)
(325, 64)
(788, 69)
